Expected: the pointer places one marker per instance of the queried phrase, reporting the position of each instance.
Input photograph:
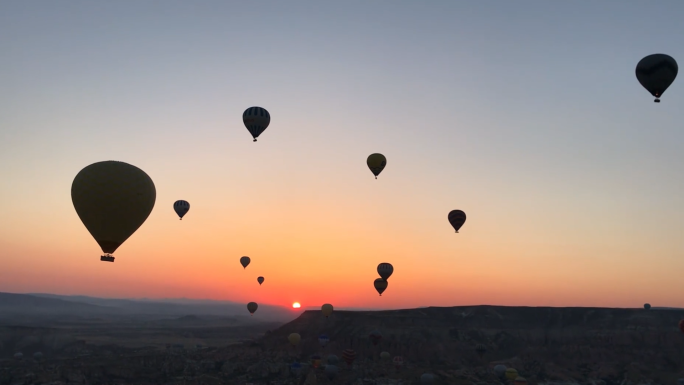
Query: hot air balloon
(327, 309)
(294, 338)
(681, 325)
(252, 307)
(500, 370)
(647, 306)
(385, 270)
(331, 371)
(385, 355)
(427, 378)
(457, 218)
(256, 120)
(398, 361)
(348, 355)
(296, 368)
(323, 340)
(380, 285)
(376, 163)
(244, 261)
(113, 199)
(520, 381)
(511, 374)
(181, 208)
(315, 360)
(333, 359)
(375, 337)
(260, 280)
(656, 73)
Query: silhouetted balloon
(385, 355)
(656, 73)
(327, 309)
(260, 280)
(376, 163)
(244, 261)
(315, 361)
(681, 325)
(375, 337)
(113, 199)
(348, 355)
(333, 359)
(294, 338)
(427, 378)
(647, 306)
(385, 270)
(181, 208)
(500, 370)
(457, 218)
(380, 285)
(252, 307)
(256, 119)
(398, 361)
(323, 340)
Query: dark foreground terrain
(545, 345)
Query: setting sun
(296, 305)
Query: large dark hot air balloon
(113, 199)
(244, 261)
(385, 270)
(181, 208)
(656, 73)
(647, 306)
(376, 163)
(256, 119)
(252, 307)
(380, 285)
(457, 218)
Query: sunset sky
(526, 115)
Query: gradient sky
(527, 115)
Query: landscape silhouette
(386, 192)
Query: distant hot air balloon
(315, 360)
(520, 381)
(427, 378)
(457, 218)
(647, 306)
(252, 307)
(511, 374)
(113, 199)
(375, 337)
(348, 355)
(385, 355)
(331, 371)
(500, 370)
(681, 325)
(244, 261)
(380, 285)
(376, 163)
(256, 120)
(327, 309)
(333, 359)
(260, 280)
(323, 340)
(385, 270)
(181, 208)
(656, 73)
(296, 368)
(294, 338)
(398, 361)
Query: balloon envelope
(348, 355)
(294, 338)
(457, 218)
(260, 280)
(244, 261)
(323, 340)
(656, 73)
(385, 355)
(511, 374)
(385, 270)
(376, 163)
(647, 306)
(181, 208)
(113, 199)
(327, 309)
(380, 285)
(331, 371)
(256, 119)
(252, 307)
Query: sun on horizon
(296, 305)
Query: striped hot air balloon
(256, 119)
(349, 355)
